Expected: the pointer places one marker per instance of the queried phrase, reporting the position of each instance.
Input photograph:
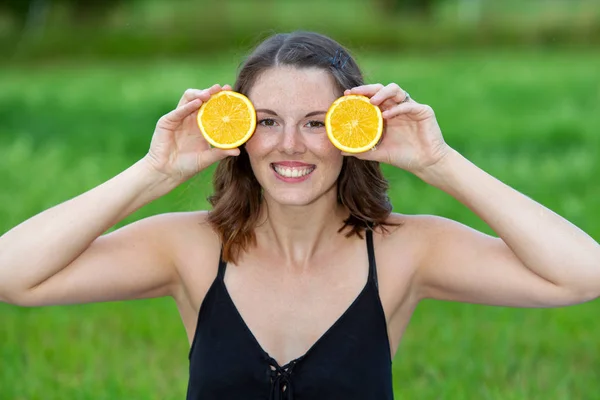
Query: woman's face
(291, 156)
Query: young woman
(299, 282)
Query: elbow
(583, 287)
(590, 295)
(584, 294)
(18, 298)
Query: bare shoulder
(185, 235)
(194, 248)
(178, 224)
(408, 230)
(402, 247)
(418, 231)
(399, 248)
(173, 231)
(417, 222)
(436, 236)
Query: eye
(316, 124)
(267, 122)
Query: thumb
(227, 153)
(374, 154)
(212, 155)
(365, 155)
(215, 154)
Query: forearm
(546, 243)
(43, 245)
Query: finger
(204, 94)
(226, 153)
(180, 113)
(189, 95)
(391, 92)
(402, 108)
(227, 87)
(365, 90)
(214, 89)
(213, 155)
(208, 93)
(357, 155)
(374, 154)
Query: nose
(291, 141)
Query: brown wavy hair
(237, 196)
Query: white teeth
(292, 172)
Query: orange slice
(353, 124)
(227, 120)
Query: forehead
(287, 87)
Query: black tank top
(351, 360)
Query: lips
(292, 169)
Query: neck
(298, 233)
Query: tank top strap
(222, 266)
(371, 252)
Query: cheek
(260, 143)
(330, 157)
(323, 147)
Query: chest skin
(287, 310)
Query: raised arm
(539, 259)
(59, 255)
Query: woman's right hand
(178, 150)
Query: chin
(293, 199)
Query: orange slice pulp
(353, 124)
(227, 120)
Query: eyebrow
(271, 112)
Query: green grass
(531, 119)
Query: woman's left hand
(412, 139)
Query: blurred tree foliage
(31, 13)
(421, 7)
(40, 29)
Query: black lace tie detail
(281, 380)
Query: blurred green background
(516, 88)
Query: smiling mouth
(292, 172)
